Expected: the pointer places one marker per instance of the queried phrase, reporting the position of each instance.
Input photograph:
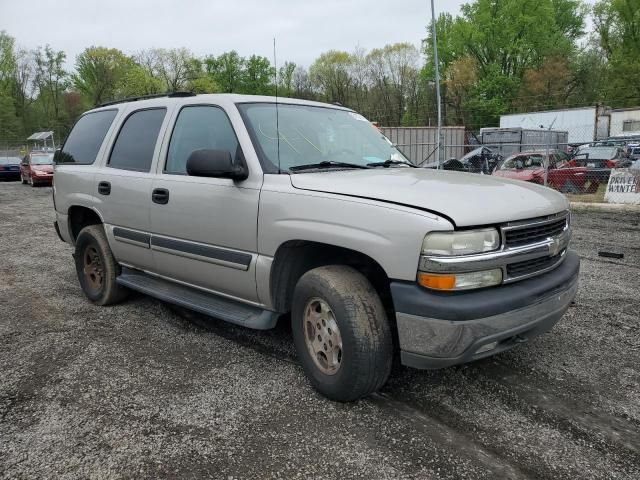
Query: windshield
(310, 135)
(9, 161)
(523, 161)
(46, 159)
(602, 153)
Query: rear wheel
(96, 267)
(341, 333)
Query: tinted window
(83, 143)
(197, 128)
(136, 140)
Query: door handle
(160, 195)
(104, 188)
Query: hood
(42, 168)
(466, 198)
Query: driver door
(204, 229)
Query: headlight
(461, 243)
(460, 281)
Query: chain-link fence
(573, 161)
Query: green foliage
(617, 23)
(506, 39)
(100, 71)
(331, 73)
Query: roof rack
(147, 97)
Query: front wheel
(341, 333)
(96, 267)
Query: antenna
(275, 67)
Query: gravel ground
(146, 390)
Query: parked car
(9, 168)
(36, 168)
(479, 160)
(633, 151)
(207, 202)
(563, 174)
(600, 160)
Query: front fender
(391, 235)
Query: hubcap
(322, 336)
(93, 271)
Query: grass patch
(596, 197)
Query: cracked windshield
(310, 135)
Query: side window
(133, 149)
(197, 128)
(86, 137)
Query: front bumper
(438, 329)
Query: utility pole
(437, 68)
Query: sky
(303, 29)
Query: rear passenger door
(123, 186)
(205, 229)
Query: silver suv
(247, 209)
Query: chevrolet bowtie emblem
(554, 247)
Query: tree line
(496, 57)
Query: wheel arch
(294, 258)
(80, 216)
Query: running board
(213, 305)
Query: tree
(226, 71)
(7, 60)
(171, 66)
(136, 81)
(23, 83)
(10, 130)
(100, 73)
(285, 79)
(617, 23)
(461, 78)
(330, 75)
(258, 76)
(302, 86)
(51, 81)
(394, 71)
(505, 39)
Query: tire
(569, 187)
(98, 280)
(366, 352)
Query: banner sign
(623, 187)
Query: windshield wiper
(325, 164)
(389, 162)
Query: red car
(563, 174)
(36, 168)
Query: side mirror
(215, 163)
(57, 156)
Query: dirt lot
(143, 390)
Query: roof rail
(147, 97)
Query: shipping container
(625, 122)
(583, 125)
(507, 141)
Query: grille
(519, 269)
(534, 233)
